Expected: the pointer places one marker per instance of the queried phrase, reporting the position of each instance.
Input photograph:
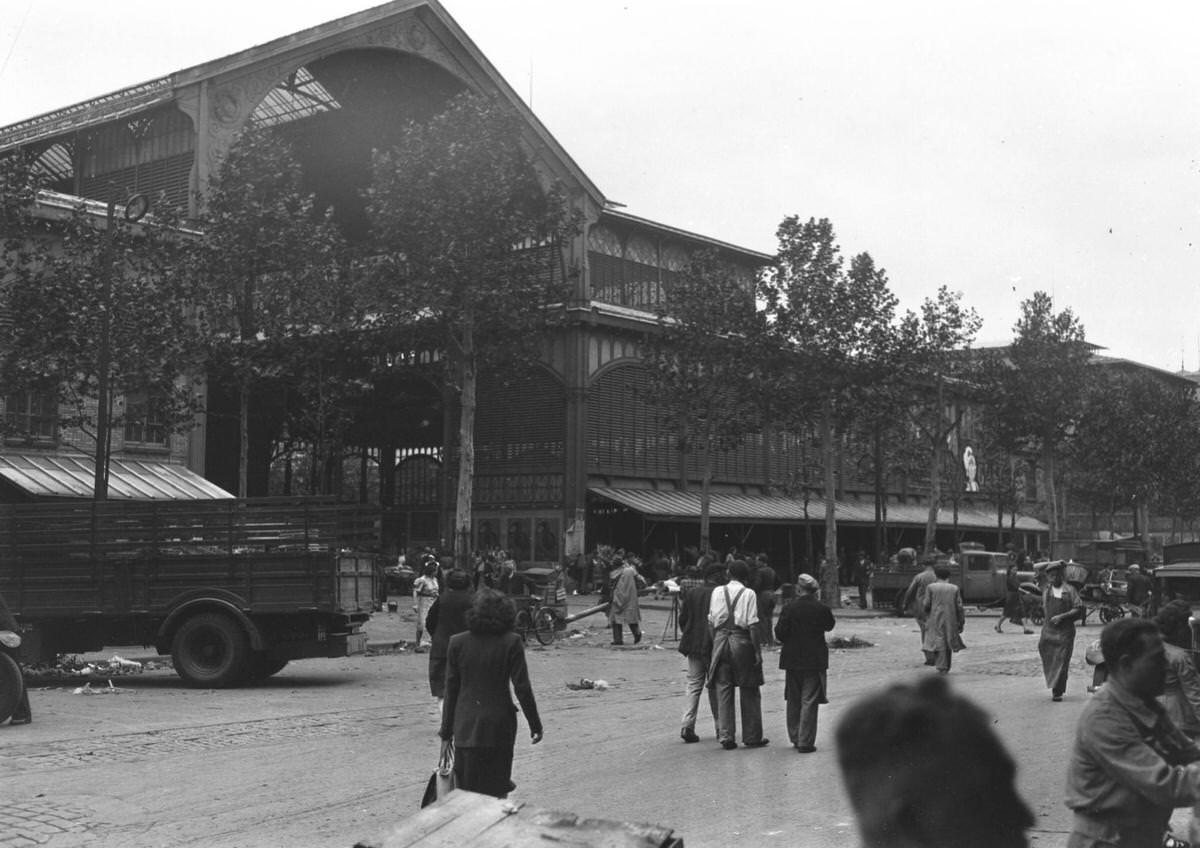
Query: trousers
(697, 674)
(802, 711)
(750, 698)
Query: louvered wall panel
(625, 435)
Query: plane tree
(93, 313)
(1036, 390)
(468, 242)
(836, 325)
(703, 360)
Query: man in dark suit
(447, 616)
(695, 643)
(804, 657)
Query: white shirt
(745, 608)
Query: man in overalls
(736, 658)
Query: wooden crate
(481, 821)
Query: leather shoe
(759, 744)
(805, 749)
(728, 744)
(689, 736)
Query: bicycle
(538, 620)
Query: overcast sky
(997, 148)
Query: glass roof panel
(300, 95)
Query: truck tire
(211, 651)
(263, 666)
(12, 685)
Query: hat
(713, 570)
(1134, 567)
(1054, 566)
(807, 583)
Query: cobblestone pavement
(331, 751)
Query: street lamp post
(103, 403)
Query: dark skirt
(487, 771)
(1013, 608)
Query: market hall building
(575, 457)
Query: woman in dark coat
(1012, 600)
(447, 616)
(479, 715)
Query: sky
(996, 148)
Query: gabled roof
(329, 37)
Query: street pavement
(332, 751)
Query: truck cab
(983, 575)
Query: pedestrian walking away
(945, 619)
(914, 596)
(479, 715)
(624, 608)
(1063, 608)
(804, 657)
(447, 616)
(736, 659)
(923, 767)
(695, 643)
(1130, 765)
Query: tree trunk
(935, 495)
(243, 435)
(1051, 491)
(466, 459)
(830, 590)
(705, 485)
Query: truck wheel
(210, 650)
(12, 685)
(263, 666)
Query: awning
(58, 476)
(730, 508)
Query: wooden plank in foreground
(466, 818)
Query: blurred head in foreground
(923, 767)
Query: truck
(978, 573)
(231, 589)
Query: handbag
(442, 781)
(1093, 655)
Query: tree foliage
(835, 324)
(1037, 390)
(935, 379)
(1137, 445)
(278, 291)
(469, 245)
(701, 363)
(87, 286)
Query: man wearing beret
(804, 657)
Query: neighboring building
(573, 455)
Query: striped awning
(71, 476)
(725, 507)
